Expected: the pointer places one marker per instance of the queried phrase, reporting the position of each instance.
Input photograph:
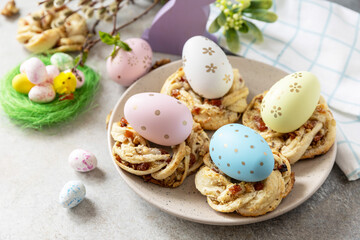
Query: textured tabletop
(34, 167)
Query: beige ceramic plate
(185, 201)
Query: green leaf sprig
(114, 40)
(234, 19)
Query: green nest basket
(29, 114)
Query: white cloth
(323, 38)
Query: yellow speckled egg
(290, 102)
(22, 84)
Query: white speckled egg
(72, 194)
(241, 153)
(62, 60)
(290, 102)
(207, 68)
(42, 93)
(35, 70)
(159, 118)
(79, 81)
(82, 160)
(128, 66)
(52, 72)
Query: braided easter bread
(133, 153)
(246, 198)
(41, 33)
(313, 138)
(210, 113)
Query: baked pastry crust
(210, 113)
(133, 153)
(246, 198)
(313, 138)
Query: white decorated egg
(241, 153)
(62, 60)
(80, 79)
(159, 118)
(82, 160)
(35, 70)
(207, 68)
(52, 72)
(72, 194)
(42, 93)
(128, 66)
(290, 102)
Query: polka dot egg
(241, 153)
(159, 118)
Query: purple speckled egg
(42, 93)
(52, 72)
(159, 118)
(35, 70)
(82, 160)
(128, 66)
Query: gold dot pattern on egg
(166, 136)
(134, 107)
(212, 149)
(236, 150)
(228, 164)
(238, 172)
(252, 146)
(252, 172)
(143, 128)
(265, 153)
(151, 94)
(184, 123)
(246, 136)
(220, 157)
(236, 130)
(178, 102)
(157, 112)
(261, 164)
(220, 134)
(243, 163)
(276, 111)
(262, 141)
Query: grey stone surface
(33, 169)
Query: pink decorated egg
(82, 160)
(52, 72)
(159, 118)
(127, 66)
(79, 80)
(42, 93)
(35, 70)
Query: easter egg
(35, 70)
(42, 93)
(80, 79)
(52, 72)
(82, 160)
(290, 102)
(22, 84)
(207, 68)
(62, 60)
(72, 194)
(159, 118)
(65, 83)
(127, 66)
(241, 153)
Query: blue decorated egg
(72, 194)
(241, 153)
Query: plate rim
(197, 219)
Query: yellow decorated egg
(65, 83)
(290, 102)
(22, 84)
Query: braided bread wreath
(132, 153)
(246, 198)
(210, 113)
(313, 138)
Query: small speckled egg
(159, 118)
(42, 93)
(207, 68)
(72, 194)
(82, 160)
(62, 60)
(79, 80)
(35, 70)
(128, 66)
(52, 72)
(290, 102)
(241, 153)
(22, 84)
(65, 83)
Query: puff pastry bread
(313, 138)
(43, 34)
(133, 153)
(210, 113)
(246, 198)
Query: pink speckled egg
(52, 72)
(159, 118)
(42, 93)
(35, 70)
(127, 66)
(82, 160)
(79, 82)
